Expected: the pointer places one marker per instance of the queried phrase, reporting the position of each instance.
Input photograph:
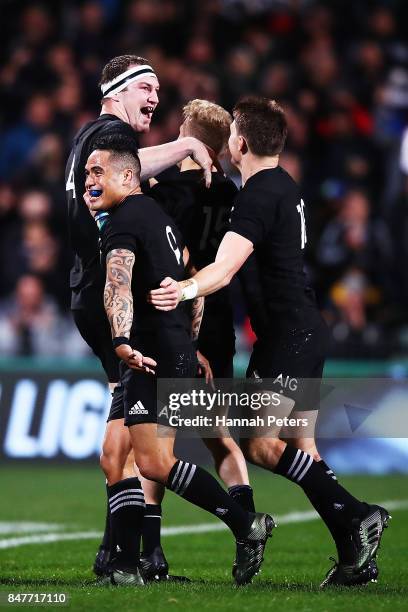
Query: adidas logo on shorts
(138, 408)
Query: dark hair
(122, 147)
(120, 64)
(262, 123)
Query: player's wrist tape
(189, 291)
(119, 341)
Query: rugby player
(202, 215)
(129, 89)
(268, 219)
(138, 243)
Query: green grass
(296, 557)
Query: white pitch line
(49, 537)
(7, 527)
(284, 519)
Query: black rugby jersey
(86, 273)
(270, 213)
(201, 214)
(140, 225)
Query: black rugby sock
(327, 469)
(106, 539)
(244, 496)
(345, 548)
(127, 507)
(151, 528)
(200, 488)
(343, 545)
(336, 506)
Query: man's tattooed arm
(118, 298)
(197, 311)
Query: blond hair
(208, 122)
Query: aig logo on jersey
(138, 408)
(173, 244)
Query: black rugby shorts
(117, 407)
(140, 389)
(290, 362)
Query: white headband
(123, 80)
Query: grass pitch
(72, 500)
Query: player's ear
(127, 176)
(242, 145)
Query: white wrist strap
(189, 291)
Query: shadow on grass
(208, 586)
(296, 587)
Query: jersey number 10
(303, 237)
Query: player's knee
(263, 452)
(104, 462)
(221, 448)
(251, 450)
(305, 444)
(111, 467)
(112, 460)
(152, 469)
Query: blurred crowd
(339, 68)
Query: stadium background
(339, 68)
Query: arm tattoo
(197, 312)
(117, 295)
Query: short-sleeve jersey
(201, 214)
(86, 273)
(269, 212)
(140, 225)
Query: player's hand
(135, 360)
(200, 154)
(204, 369)
(167, 297)
(87, 199)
